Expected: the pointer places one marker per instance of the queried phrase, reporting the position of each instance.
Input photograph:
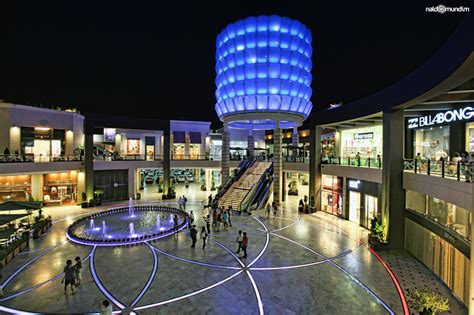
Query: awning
(194, 137)
(20, 205)
(7, 218)
(179, 137)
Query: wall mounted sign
(109, 134)
(449, 116)
(363, 136)
(354, 184)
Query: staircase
(237, 192)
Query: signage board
(364, 136)
(354, 184)
(449, 116)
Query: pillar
(294, 141)
(225, 163)
(277, 164)
(69, 146)
(393, 195)
(283, 186)
(81, 186)
(15, 139)
(186, 145)
(118, 143)
(37, 187)
(315, 167)
(471, 267)
(337, 143)
(251, 145)
(208, 179)
(166, 160)
(89, 159)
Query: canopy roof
(20, 205)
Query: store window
(365, 141)
(432, 143)
(15, 188)
(415, 201)
(215, 149)
(470, 137)
(179, 140)
(371, 210)
(133, 146)
(331, 195)
(60, 188)
(440, 256)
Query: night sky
(156, 59)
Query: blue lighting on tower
(263, 65)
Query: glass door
(371, 209)
(150, 152)
(354, 207)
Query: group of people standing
(269, 208)
(182, 202)
(72, 274)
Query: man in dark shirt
(193, 233)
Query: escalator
(258, 196)
(243, 166)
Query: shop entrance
(354, 207)
(371, 210)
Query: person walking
(207, 219)
(214, 217)
(69, 278)
(176, 221)
(185, 200)
(180, 203)
(203, 237)
(209, 200)
(225, 219)
(193, 233)
(275, 210)
(230, 215)
(358, 159)
(191, 218)
(78, 271)
(268, 210)
(239, 241)
(245, 243)
(106, 308)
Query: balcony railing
(296, 159)
(143, 157)
(445, 169)
(38, 158)
(354, 162)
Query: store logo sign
(363, 136)
(354, 184)
(449, 116)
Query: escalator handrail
(255, 189)
(244, 165)
(263, 187)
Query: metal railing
(296, 159)
(354, 161)
(39, 158)
(444, 169)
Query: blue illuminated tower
(263, 78)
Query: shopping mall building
(394, 156)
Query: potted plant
(98, 196)
(376, 237)
(427, 302)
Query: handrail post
(442, 168)
(368, 162)
(416, 166)
(339, 160)
(429, 167)
(458, 170)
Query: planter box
(378, 246)
(84, 205)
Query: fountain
(171, 219)
(131, 229)
(158, 221)
(130, 208)
(92, 224)
(103, 227)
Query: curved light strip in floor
(192, 261)
(230, 252)
(189, 294)
(38, 285)
(15, 311)
(13, 275)
(150, 279)
(267, 240)
(304, 265)
(257, 292)
(362, 285)
(99, 283)
(406, 309)
(290, 225)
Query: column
(225, 163)
(393, 195)
(69, 146)
(471, 266)
(283, 186)
(294, 141)
(166, 160)
(315, 167)
(337, 143)
(15, 139)
(277, 163)
(89, 159)
(81, 186)
(37, 187)
(118, 143)
(186, 145)
(208, 179)
(251, 145)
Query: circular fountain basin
(126, 226)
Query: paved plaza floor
(296, 264)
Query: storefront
(195, 145)
(15, 188)
(60, 188)
(150, 148)
(443, 134)
(331, 195)
(366, 141)
(179, 140)
(44, 143)
(363, 201)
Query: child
(78, 271)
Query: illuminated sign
(354, 184)
(109, 134)
(449, 116)
(363, 136)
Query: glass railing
(38, 158)
(354, 161)
(449, 169)
(295, 159)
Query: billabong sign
(363, 136)
(460, 114)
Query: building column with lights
(315, 168)
(166, 160)
(277, 163)
(225, 165)
(250, 145)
